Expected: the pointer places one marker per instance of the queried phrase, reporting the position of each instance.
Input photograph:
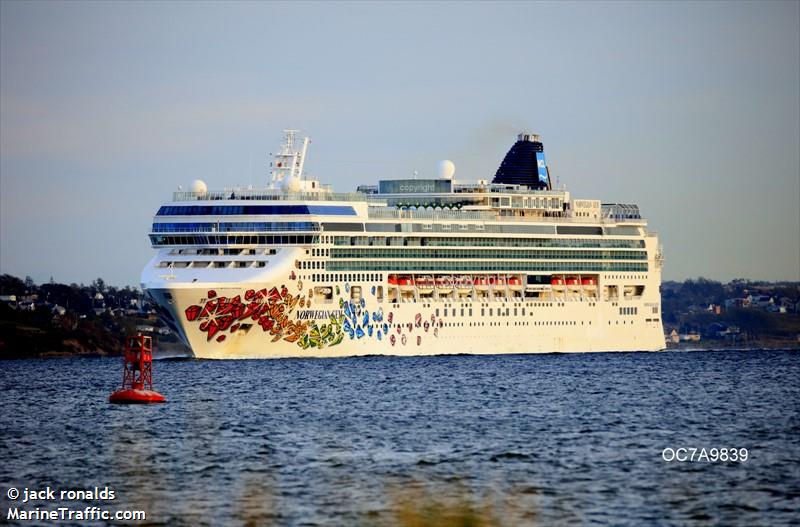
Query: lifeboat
(481, 283)
(497, 281)
(557, 280)
(405, 283)
(464, 284)
(514, 283)
(392, 279)
(573, 280)
(444, 283)
(424, 284)
(588, 280)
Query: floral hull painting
(282, 315)
(271, 310)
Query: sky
(690, 109)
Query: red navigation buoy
(137, 377)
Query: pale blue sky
(691, 110)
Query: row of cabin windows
(346, 277)
(538, 323)
(488, 253)
(238, 210)
(243, 226)
(628, 310)
(435, 241)
(241, 264)
(515, 304)
(520, 323)
(543, 323)
(224, 239)
(214, 252)
(495, 266)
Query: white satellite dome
(291, 184)
(199, 186)
(446, 169)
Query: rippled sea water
(536, 440)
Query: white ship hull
(546, 327)
(411, 267)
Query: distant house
(761, 301)
(690, 337)
(673, 337)
(736, 302)
(145, 329)
(98, 302)
(732, 332)
(11, 300)
(788, 305)
(721, 331)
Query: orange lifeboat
(557, 280)
(405, 283)
(424, 284)
(392, 279)
(444, 283)
(481, 283)
(514, 283)
(464, 284)
(588, 280)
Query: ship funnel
(525, 164)
(533, 138)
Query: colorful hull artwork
(275, 311)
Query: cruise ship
(417, 266)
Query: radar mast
(288, 162)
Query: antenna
(302, 157)
(289, 161)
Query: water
(529, 440)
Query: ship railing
(491, 189)
(213, 230)
(485, 215)
(429, 214)
(267, 195)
